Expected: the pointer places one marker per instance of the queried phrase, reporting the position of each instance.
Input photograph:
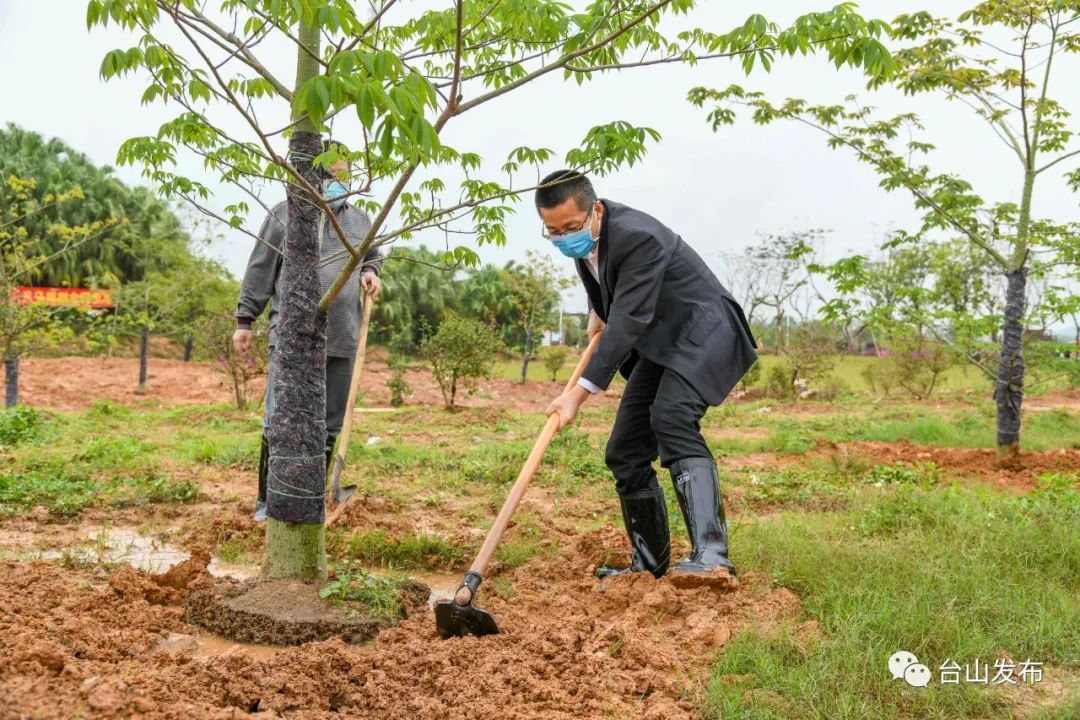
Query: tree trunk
(1009, 387)
(11, 380)
(296, 530)
(526, 356)
(239, 392)
(144, 346)
(779, 329)
(188, 344)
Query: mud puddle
(211, 645)
(156, 554)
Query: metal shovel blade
(340, 493)
(453, 620)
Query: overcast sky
(716, 190)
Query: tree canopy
(144, 234)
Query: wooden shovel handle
(358, 371)
(518, 490)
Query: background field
(860, 527)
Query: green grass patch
(943, 572)
(380, 595)
(19, 424)
(420, 551)
(240, 451)
(68, 488)
(788, 439)
(790, 487)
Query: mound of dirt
(285, 612)
(570, 647)
(1020, 473)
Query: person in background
(682, 342)
(260, 286)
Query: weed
(379, 594)
(19, 424)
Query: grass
(960, 425)
(945, 573)
(848, 370)
(378, 595)
(883, 557)
(413, 551)
(221, 451)
(18, 425)
(68, 486)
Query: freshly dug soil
(285, 612)
(73, 644)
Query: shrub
(217, 331)
(752, 376)
(778, 382)
(460, 353)
(879, 377)
(555, 359)
(917, 365)
(810, 354)
(19, 424)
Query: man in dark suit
(681, 341)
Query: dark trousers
(338, 378)
(659, 416)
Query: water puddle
(442, 585)
(212, 646)
(155, 554)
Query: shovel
(339, 494)
(459, 617)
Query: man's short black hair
(561, 185)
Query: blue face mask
(577, 244)
(334, 194)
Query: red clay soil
(981, 464)
(1020, 473)
(75, 383)
(77, 642)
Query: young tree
(215, 331)
(776, 270)
(461, 352)
(406, 75)
(145, 234)
(555, 359)
(1008, 86)
(534, 291)
(172, 304)
(26, 247)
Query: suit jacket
(662, 302)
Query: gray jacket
(263, 272)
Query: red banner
(83, 298)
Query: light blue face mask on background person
(334, 193)
(577, 244)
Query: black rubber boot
(697, 487)
(264, 471)
(645, 516)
